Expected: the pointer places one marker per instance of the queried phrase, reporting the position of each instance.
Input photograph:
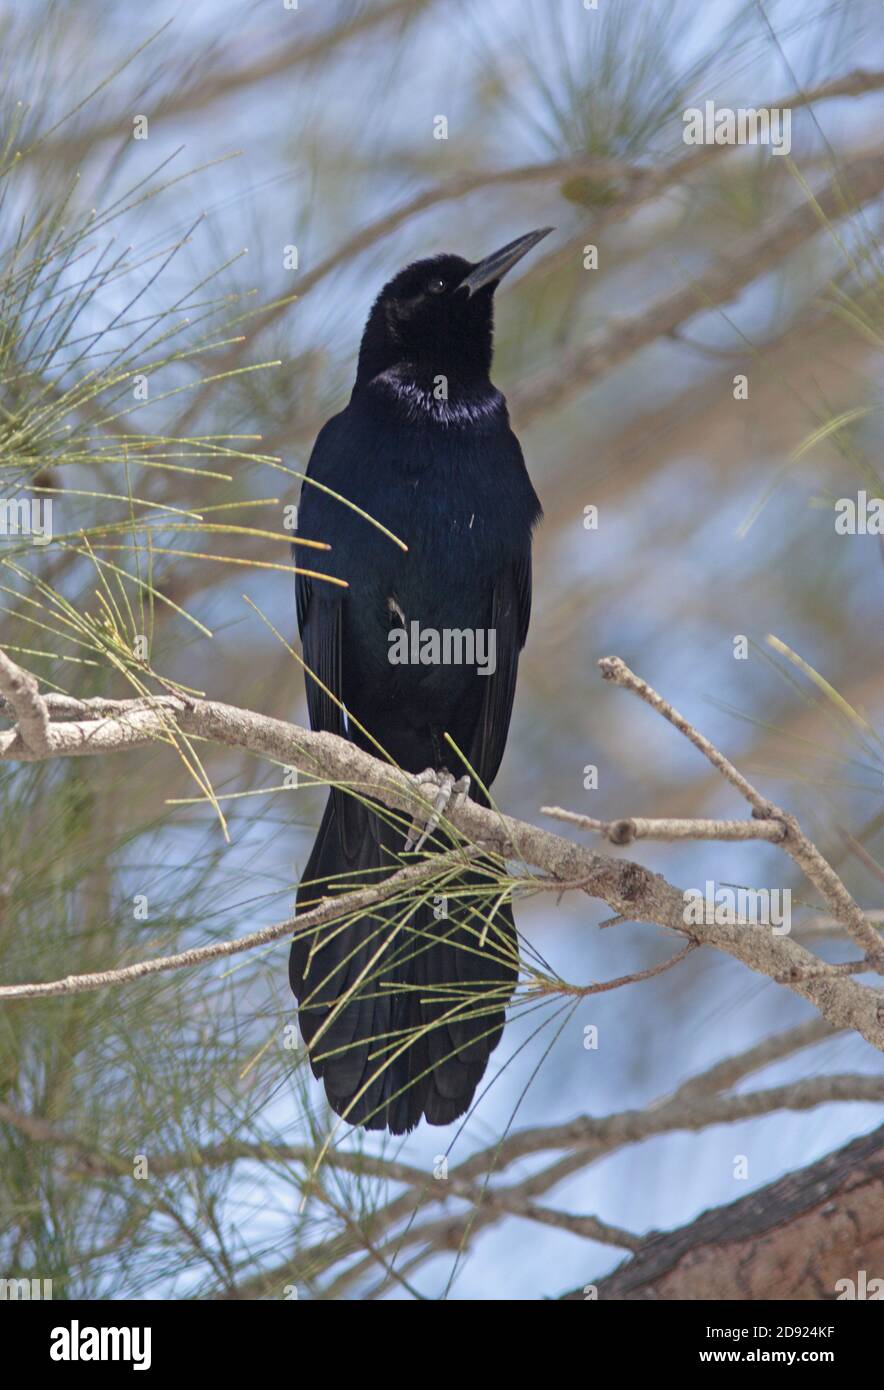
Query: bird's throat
(434, 397)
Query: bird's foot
(447, 792)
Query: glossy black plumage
(443, 471)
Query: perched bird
(401, 1008)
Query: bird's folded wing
(510, 614)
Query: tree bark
(794, 1239)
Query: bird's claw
(448, 791)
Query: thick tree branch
(795, 1238)
(630, 890)
(20, 689)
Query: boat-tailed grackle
(401, 1007)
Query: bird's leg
(447, 790)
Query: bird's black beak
(495, 266)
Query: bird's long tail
(400, 1008)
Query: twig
(794, 842)
(722, 1076)
(629, 828)
(329, 909)
(614, 669)
(559, 987)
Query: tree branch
(693, 1106)
(22, 692)
(630, 890)
(586, 1140)
(328, 910)
(220, 82)
(637, 184)
(629, 828)
(860, 180)
(794, 842)
(796, 1238)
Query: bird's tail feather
(401, 1007)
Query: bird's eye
(436, 286)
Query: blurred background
(199, 204)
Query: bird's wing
(320, 605)
(320, 619)
(320, 624)
(510, 614)
(320, 609)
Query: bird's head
(436, 316)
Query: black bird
(400, 1010)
